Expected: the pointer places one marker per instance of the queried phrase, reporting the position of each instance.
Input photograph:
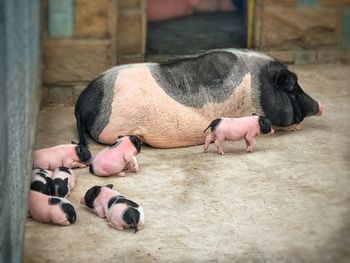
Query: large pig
(117, 157)
(168, 105)
(234, 129)
(40, 181)
(63, 182)
(68, 155)
(48, 209)
(120, 212)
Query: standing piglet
(234, 129)
(116, 157)
(68, 155)
(120, 212)
(63, 182)
(41, 179)
(48, 209)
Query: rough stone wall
(79, 39)
(19, 105)
(303, 31)
(132, 24)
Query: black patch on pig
(281, 97)
(94, 105)
(195, 81)
(69, 210)
(59, 187)
(54, 201)
(119, 199)
(41, 174)
(131, 216)
(40, 187)
(264, 124)
(91, 168)
(123, 200)
(91, 195)
(64, 169)
(213, 125)
(136, 142)
(115, 144)
(83, 153)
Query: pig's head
(282, 98)
(83, 153)
(136, 142)
(59, 187)
(92, 194)
(265, 125)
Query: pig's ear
(109, 186)
(285, 80)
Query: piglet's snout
(321, 107)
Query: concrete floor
(289, 201)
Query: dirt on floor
(289, 201)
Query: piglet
(48, 209)
(40, 181)
(63, 182)
(116, 157)
(234, 129)
(68, 155)
(120, 212)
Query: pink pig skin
(234, 129)
(114, 214)
(63, 175)
(113, 160)
(40, 210)
(54, 157)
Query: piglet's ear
(285, 80)
(109, 186)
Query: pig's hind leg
(115, 226)
(219, 140)
(209, 139)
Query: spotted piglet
(63, 182)
(117, 157)
(234, 129)
(120, 212)
(68, 155)
(40, 181)
(48, 209)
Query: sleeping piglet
(41, 179)
(234, 129)
(120, 212)
(116, 157)
(48, 209)
(68, 155)
(63, 182)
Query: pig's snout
(321, 107)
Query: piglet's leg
(74, 164)
(132, 165)
(208, 140)
(250, 141)
(116, 226)
(218, 143)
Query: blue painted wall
(19, 104)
